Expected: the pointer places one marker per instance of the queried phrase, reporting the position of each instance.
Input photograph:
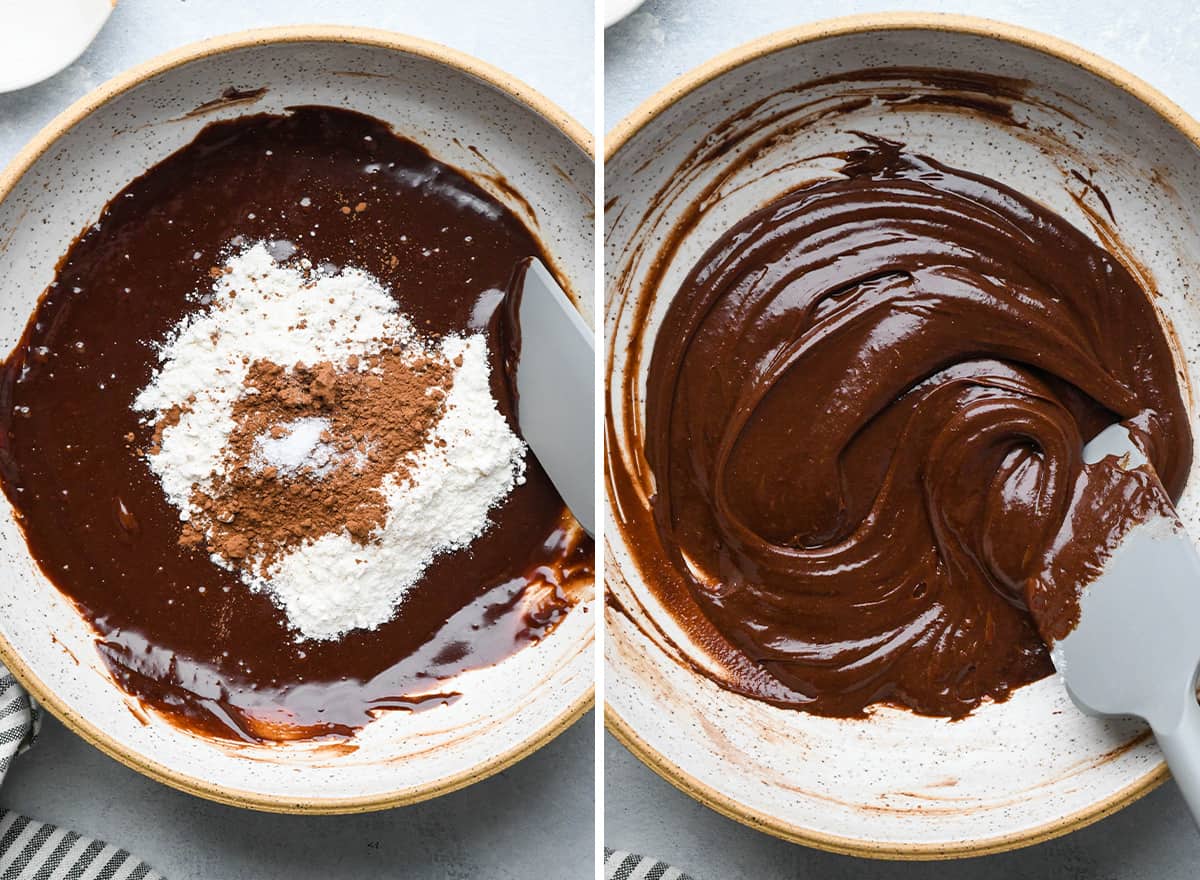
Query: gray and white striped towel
(620, 865)
(32, 850)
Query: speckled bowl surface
(731, 137)
(468, 115)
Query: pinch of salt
(300, 447)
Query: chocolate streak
(177, 631)
(864, 417)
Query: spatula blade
(1135, 650)
(555, 380)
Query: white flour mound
(260, 309)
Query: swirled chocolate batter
(864, 417)
(272, 547)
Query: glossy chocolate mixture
(864, 416)
(178, 632)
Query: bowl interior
(894, 784)
(464, 120)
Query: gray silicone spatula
(1135, 650)
(555, 379)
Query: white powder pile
(263, 310)
(301, 447)
(260, 310)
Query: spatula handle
(1181, 747)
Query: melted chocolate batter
(177, 631)
(865, 412)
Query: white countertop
(1153, 839)
(532, 820)
(666, 38)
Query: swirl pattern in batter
(865, 411)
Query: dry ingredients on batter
(318, 445)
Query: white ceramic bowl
(37, 40)
(893, 785)
(468, 115)
(616, 10)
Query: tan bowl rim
(644, 114)
(16, 169)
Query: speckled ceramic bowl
(468, 115)
(740, 132)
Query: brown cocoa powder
(381, 409)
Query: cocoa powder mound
(376, 413)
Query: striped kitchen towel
(32, 850)
(620, 865)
